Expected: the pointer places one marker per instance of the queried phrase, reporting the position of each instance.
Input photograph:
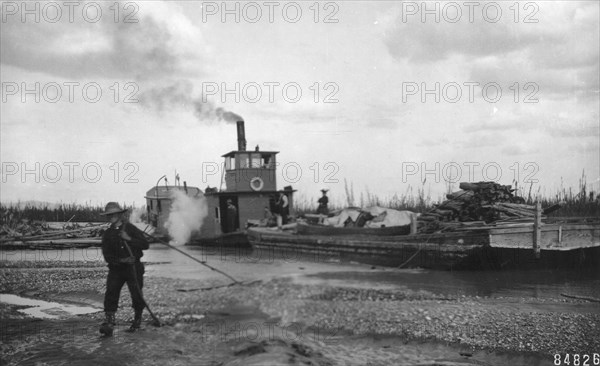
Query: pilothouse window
(249, 160)
(230, 163)
(266, 161)
(256, 160)
(244, 161)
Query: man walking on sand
(122, 245)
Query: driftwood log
(592, 299)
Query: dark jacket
(322, 209)
(113, 248)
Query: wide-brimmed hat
(112, 208)
(324, 190)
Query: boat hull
(578, 247)
(237, 239)
(310, 229)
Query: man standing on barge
(323, 202)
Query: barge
(303, 228)
(522, 245)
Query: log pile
(476, 203)
(23, 228)
(32, 231)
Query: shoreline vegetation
(579, 202)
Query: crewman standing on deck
(231, 216)
(323, 202)
(283, 209)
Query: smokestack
(241, 135)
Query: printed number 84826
(577, 359)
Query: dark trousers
(322, 210)
(119, 274)
(284, 212)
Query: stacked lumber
(478, 204)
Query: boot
(137, 321)
(107, 327)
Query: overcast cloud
(369, 129)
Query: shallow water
(46, 309)
(507, 283)
(245, 265)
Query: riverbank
(292, 319)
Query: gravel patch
(477, 323)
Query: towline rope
(235, 282)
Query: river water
(245, 265)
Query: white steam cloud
(136, 215)
(186, 216)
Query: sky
(100, 99)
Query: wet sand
(298, 311)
